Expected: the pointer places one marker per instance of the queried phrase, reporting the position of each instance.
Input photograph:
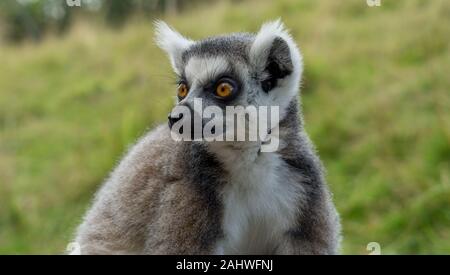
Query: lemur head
(239, 69)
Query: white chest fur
(260, 204)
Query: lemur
(196, 197)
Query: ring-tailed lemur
(193, 197)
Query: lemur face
(239, 69)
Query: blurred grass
(376, 97)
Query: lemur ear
(274, 54)
(172, 42)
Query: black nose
(172, 119)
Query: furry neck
(234, 154)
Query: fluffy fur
(172, 42)
(169, 197)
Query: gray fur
(233, 46)
(168, 197)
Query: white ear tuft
(172, 42)
(263, 42)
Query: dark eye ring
(225, 88)
(182, 90)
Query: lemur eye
(224, 89)
(182, 90)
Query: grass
(376, 97)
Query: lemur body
(194, 197)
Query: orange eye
(224, 89)
(182, 90)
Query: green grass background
(376, 96)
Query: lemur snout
(173, 120)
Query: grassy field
(376, 98)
